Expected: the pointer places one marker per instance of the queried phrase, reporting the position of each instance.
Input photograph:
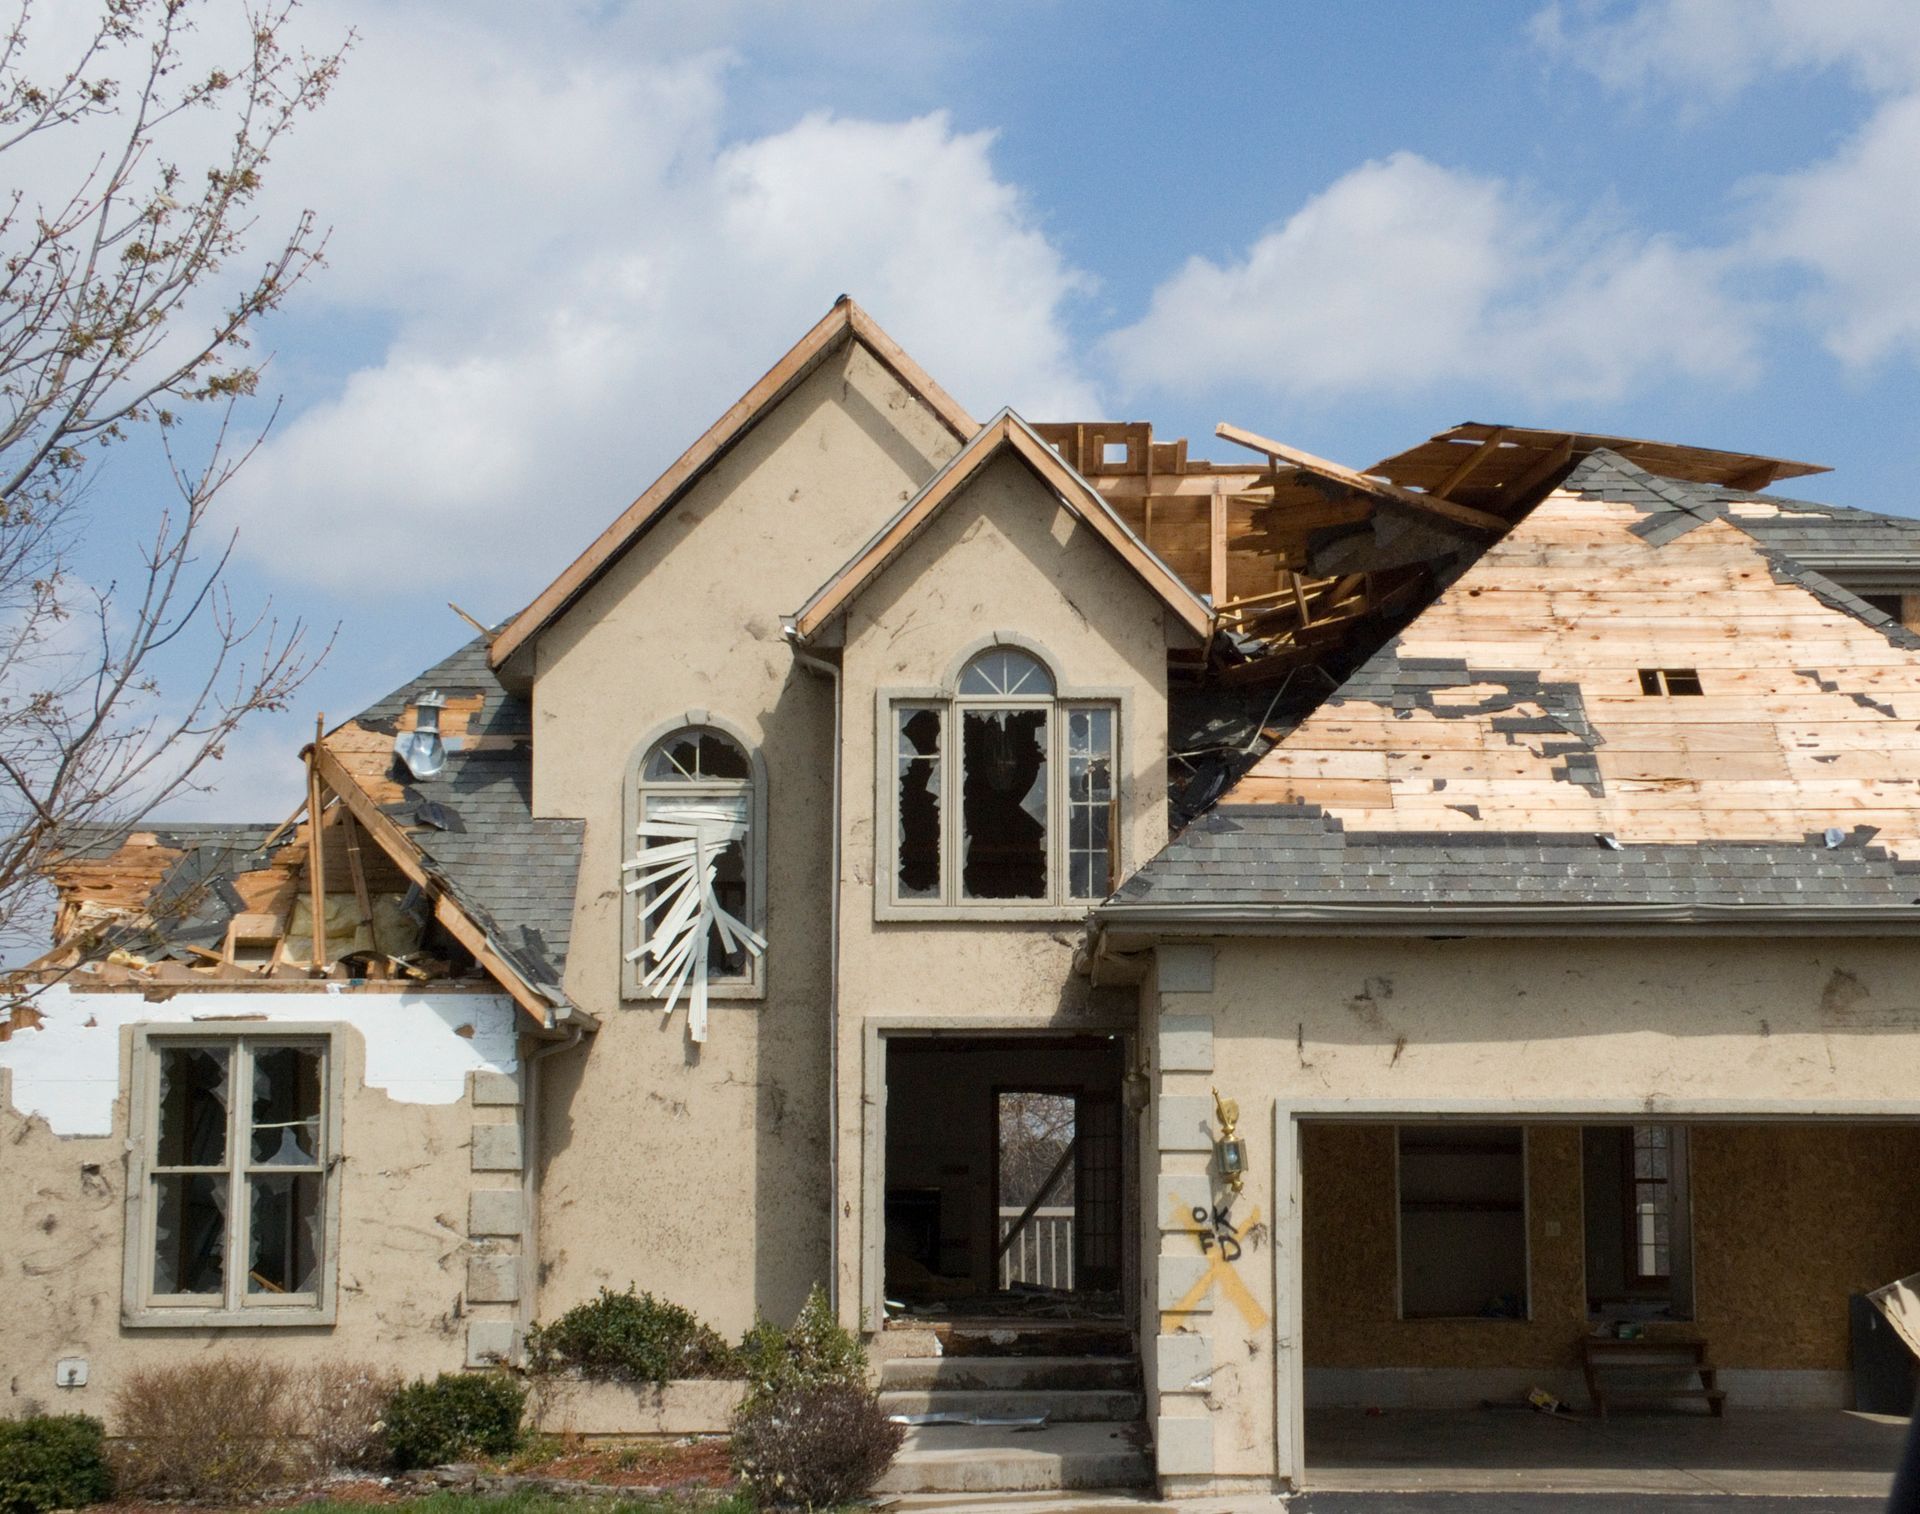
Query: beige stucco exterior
(1742, 1037)
(700, 1172)
(426, 1278)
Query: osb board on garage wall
(1788, 1221)
(1350, 1260)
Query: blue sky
(566, 236)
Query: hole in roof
(1113, 452)
(1671, 682)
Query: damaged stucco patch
(420, 1047)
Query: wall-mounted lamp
(1228, 1149)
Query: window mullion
(239, 1140)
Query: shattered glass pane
(1003, 803)
(1090, 829)
(193, 1107)
(286, 1106)
(190, 1233)
(1003, 671)
(918, 839)
(694, 754)
(283, 1248)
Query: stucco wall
(700, 1173)
(1002, 557)
(413, 1270)
(1682, 1029)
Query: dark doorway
(1006, 1176)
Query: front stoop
(983, 1459)
(1094, 1436)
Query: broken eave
(549, 1011)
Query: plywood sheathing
(1788, 1221)
(1514, 703)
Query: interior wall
(1789, 1221)
(1350, 1259)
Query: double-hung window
(1004, 792)
(231, 1212)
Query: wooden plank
(1217, 549)
(1479, 520)
(316, 851)
(1459, 474)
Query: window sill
(638, 998)
(983, 910)
(227, 1319)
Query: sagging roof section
(846, 321)
(468, 831)
(1006, 432)
(1632, 671)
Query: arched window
(694, 874)
(1034, 776)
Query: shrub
(52, 1461)
(226, 1428)
(456, 1416)
(817, 1350)
(346, 1415)
(814, 1444)
(630, 1336)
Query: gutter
(820, 666)
(1506, 920)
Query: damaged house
(1189, 947)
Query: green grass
(540, 1503)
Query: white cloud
(1721, 46)
(581, 276)
(1404, 275)
(1850, 220)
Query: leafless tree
(1035, 1131)
(123, 311)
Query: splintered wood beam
(1300, 600)
(316, 849)
(1306, 462)
(1217, 546)
(351, 835)
(1458, 476)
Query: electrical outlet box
(70, 1372)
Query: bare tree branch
(94, 280)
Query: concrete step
(1060, 1405)
(1018, 1373)
(971, 1459)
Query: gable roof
(846, 321)
(1005, 432)
(1500, 755)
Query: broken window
(1017, 833)
(694, 877)
(236, 1174)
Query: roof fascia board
(1507, 920)
(1005, 430)
(845, 321)
(406, 856)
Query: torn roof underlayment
(1370, 737)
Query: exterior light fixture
(1228, 1149)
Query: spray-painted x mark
(1219, 1267)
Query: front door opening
(1639, 1241)
(1005, 1178)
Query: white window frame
(1058, 904)
(140, 1307)
(752, 985)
